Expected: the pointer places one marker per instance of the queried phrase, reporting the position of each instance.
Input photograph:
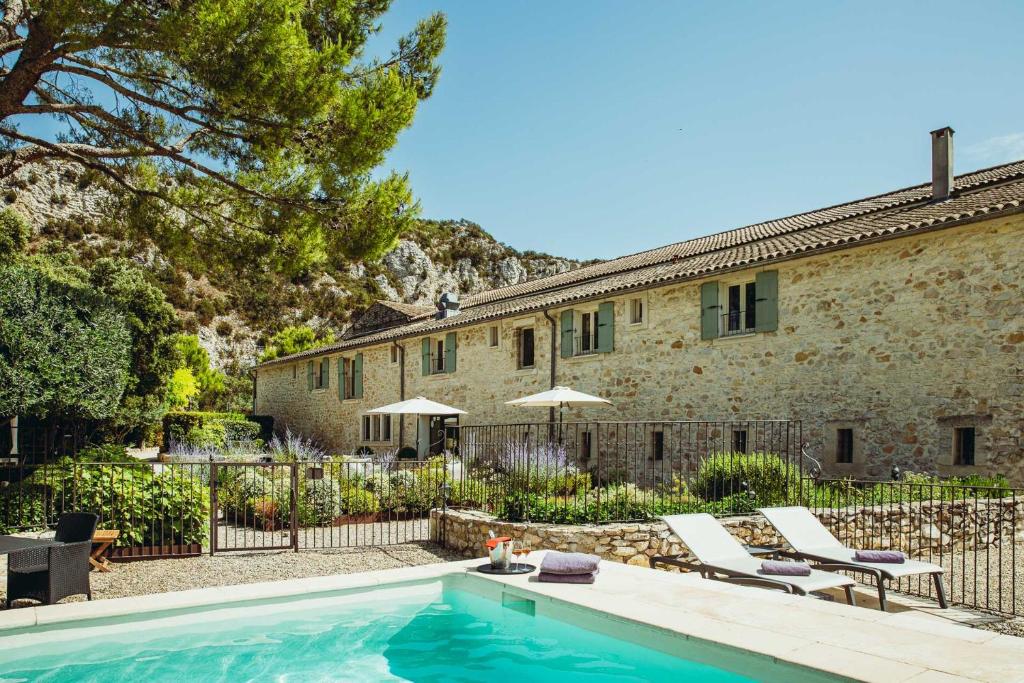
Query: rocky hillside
(234, 313)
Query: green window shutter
(426, 356)
(767, 307)
(341, 379)
(357, 376)
(449, 352)
(309, 376)
(325, 374)
(567, 331)
(606, 327)
(709, 308)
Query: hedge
(210, 429)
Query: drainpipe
(554, 359)
(401, 390)
(255, 376)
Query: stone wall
(924, 530)
(901, 341)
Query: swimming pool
(451, 630)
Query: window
(295, 371)
(658, 445)
(394, 354)
(438, 354)
(524, 348)
(585, 445)
(366, 428)
(586, 342)
(740, 309)
(350, 378)
(320, 377)
(492, 336)
(963, 445)
(844, 446)
(376, 427)
(636, 311)
(385, 428)
(739, 441)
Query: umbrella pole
(417, 436)
(560, 418)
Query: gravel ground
(343, 536)
(161, 576)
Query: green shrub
(148, 508)
(23, 507)
(14, 232)
(198, 428)
(105, 453)
(320, 503)
(721, 475)
(251, 496)
(208, 435)
(359, 501)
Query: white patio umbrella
(416, 406)
(558, 397)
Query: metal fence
(975, 532)
(578, 472)
(187, 508)
(624, 471)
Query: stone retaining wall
(921, 529)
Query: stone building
(892, 327)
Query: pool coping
(855, 643)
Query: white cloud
(997, 150)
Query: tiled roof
(976, 195)
(412, 310)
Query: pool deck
(859, 644)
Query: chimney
(448, 305)
(942, 163)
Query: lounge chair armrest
(844, 567)
(674, 561)
(759, 583)
(71, 553)
(25, 560)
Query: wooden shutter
(606, 327)
(767, 306)
(309, 375)
(709, 308)
(357, 376)
(341, 379)
(325, 374)
(449, 352)
(425, 346)
(567, 333)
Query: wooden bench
(101, 540)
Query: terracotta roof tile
(977, 194)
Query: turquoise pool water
(445, 636)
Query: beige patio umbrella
(416, 406)
(558, 397)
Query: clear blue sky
(597, 129)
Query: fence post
(213, 507)
(294, 517)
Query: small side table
(101, 540)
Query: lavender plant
(293, 447)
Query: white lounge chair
(720, 556)
(810, 540)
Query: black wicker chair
(54, 572)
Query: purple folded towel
(556, 562)
(547, 577)
(881, 556)
(785, 568)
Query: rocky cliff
(233, 315)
